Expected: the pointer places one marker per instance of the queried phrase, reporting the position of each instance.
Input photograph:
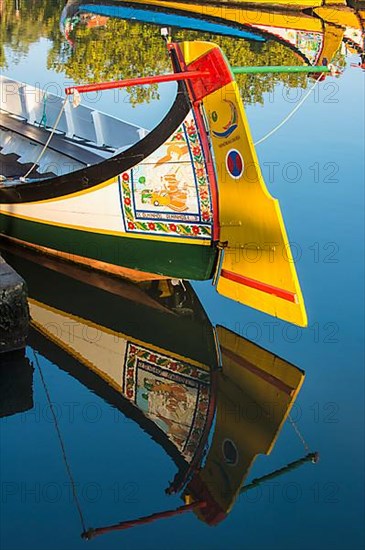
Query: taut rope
(48, 140)
(62, 445)
(288, 117)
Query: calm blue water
(314, 165)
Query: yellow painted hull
(256, 266)
(261, 13)
(256, 391)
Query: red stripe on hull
(269, 378)
(258, 285)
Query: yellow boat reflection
(150, 350)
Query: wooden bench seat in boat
(58, 143)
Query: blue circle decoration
(234, 163)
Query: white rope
(60, 439)
(298, 432)
(47, 142)
(290, 114)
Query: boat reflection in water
(150, 350)
(315, 31)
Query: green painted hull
(175, 260)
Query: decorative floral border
(203, 228)
(178, 371)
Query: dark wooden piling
(16, 383)
(14, 312)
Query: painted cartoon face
(224, 123)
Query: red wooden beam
(91, 533)
(188, 75)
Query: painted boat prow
(255, 393)
(256, 267)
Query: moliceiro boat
(185, 200)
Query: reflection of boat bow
(151, 357)
(251, 395)
(255, 392)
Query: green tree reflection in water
(123, 49)
(23, 23)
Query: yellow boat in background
(315, 31)
(314, 34)
(290, 4)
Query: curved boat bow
(187, 200)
